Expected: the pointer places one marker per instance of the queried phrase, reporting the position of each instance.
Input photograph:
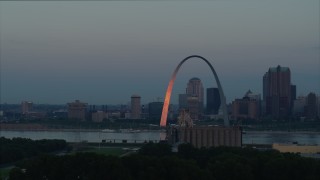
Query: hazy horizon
(102, 52)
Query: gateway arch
(166, 103)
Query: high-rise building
(26, 106)
(265, 86)
(311, 106)
(195, 88)
(183, 101)
(277, 91)
(195, 97)
(192, 100)
(193, 107)
(77, 110)
(264, 94)
(155, 110)
(135, 107)
(293, 92)
(213, 100)
(293, 97)
(299, 106)
(318, 99)
(246, 108)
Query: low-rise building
(99, 116)
(206, 136)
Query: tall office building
(293, 97)
(265, 85)
(293, 92)
(183, 101)
(318, 100)
(299, 106)
(195, 88)
(264, 94)
(135, 107)
(155, 110)
(213, 100)
(277, 91)
(192, 100)
(77, 110)
(311, 106)
(246, 108)
(193, 107)
(26, 107)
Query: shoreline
(40, 127)
(75, 130)
(145, 130)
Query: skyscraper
(183, 101)
(155, 110)
(77, 110)
(293, 97)
(213, 100)
(193, 107)
(246, 108)
(311, 106)
(135, 107)
(293, 92)
(195, 89)
(299, 106)
(26, 106)
(277, 91)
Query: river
(250, 137)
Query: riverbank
(41, 127)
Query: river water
(251, 137)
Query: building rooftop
(194, 79)
(248, 93)
(279, 69)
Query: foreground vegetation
(4, 172)
(157, 161)
(105, 151)
(19, 148)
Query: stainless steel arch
(166, 103)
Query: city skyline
(103, 52)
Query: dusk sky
(102, 52)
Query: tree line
(158, 162)
(19, 148)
